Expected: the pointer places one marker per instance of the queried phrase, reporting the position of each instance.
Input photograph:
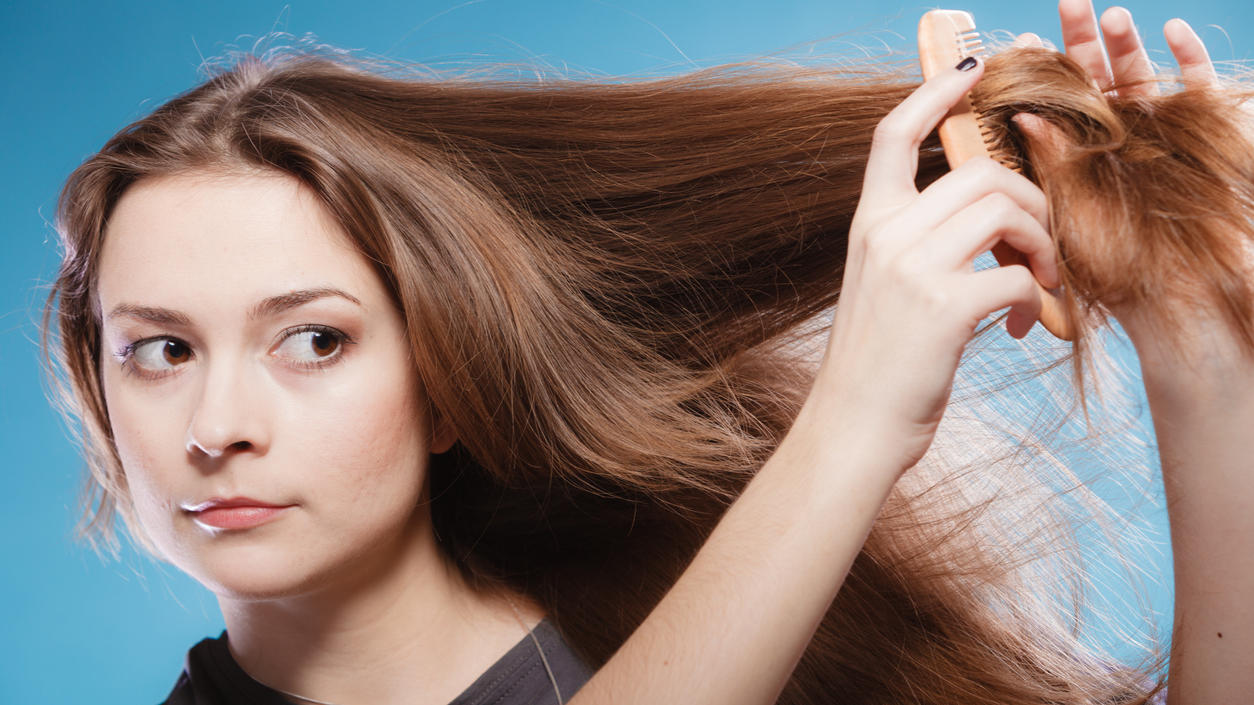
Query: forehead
(192, 239)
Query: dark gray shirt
(212, 677)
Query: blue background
(80, 628)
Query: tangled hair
(1152, 202)
(616, 294)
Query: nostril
(208, 452)
(217, 451)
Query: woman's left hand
(1114, 55)
(1115, 58)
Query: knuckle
(1023, 280)
(1039, 206)
(889, 130)
(1000, 205)
(984, 170)
(1000, 201)
(981, 175)
(937, 299)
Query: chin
(243, 568)
(286, 558)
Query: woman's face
(259, 385)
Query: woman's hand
(911, 300)
(1112, 52)
(1119, 62)
(1116, 58)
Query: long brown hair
(616, 294)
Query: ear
(442, 434)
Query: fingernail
(967, 64)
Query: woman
(406, 374)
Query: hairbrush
(946, 37)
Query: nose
(228, 416)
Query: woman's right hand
(910, 299)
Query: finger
(1019, 324)
(976, 228)
(894, 157)
(1195, 65)
(972, 181)
(1082, 41)
(1129, 63)
(1045, 139)
(1027, 39)
(993, 289)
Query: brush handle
(945, 38)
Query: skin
(343, 596)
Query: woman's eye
(312, 345)
(160, 354)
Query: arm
(1203, 410)
(733, 627)
(1203, 414)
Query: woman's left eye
(312, 346)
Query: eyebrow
(268, 307)
(275, 305)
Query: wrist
(1193, 356)
(833, 431)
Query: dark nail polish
(967, 64)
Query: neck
(405, 628)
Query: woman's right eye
(158, 355)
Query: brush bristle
(970, 44)
(991, 142)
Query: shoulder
(210, 676)
(537, 671)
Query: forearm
(733, 627)
(731, 630)
(1204, 420)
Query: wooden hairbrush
(945, 38)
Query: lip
(235, 512)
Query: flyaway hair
(617, 295)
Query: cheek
(372, 449)
(148, 446)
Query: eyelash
(127, 353)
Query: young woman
(446, 390)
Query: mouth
(234, 513)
